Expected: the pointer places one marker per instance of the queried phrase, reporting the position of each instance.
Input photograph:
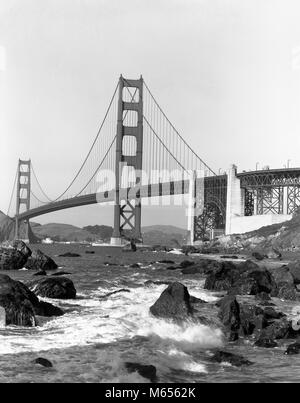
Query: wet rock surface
(54, 287)
(21, 305)
(39, 261)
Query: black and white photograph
(150, 194)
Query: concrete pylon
(235, 206)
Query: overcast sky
(226, 72)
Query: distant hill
(152, 235)
(63, 232)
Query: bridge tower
(127, 209)
(23, 197)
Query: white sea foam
(121, 316)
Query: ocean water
(96, 336)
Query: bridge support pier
(23, 198)
(127, 209)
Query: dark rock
(186, 249)
(192, 270)
(233, 257)
(146, 371)
(264, 281)
(70, 254)
(54, 287)
(90, 252)
(252, 319)
(172, 268)
(195, 300)
(39, 261)
(223, 279)
(22, 247)
(233, 359)
(280, 329)
(293, 349)
(270, 313)
(265, 343)
(12, 259)
(263, 296)
(114, 292)
(258, 256)
(283, 275)
(43, 362)
(40, 273)
(165, 261)
(134, 266)
(21, 305)
(229, 314)
(174, 303)
(47, 310)
(294, 269)
(186, 263)
(286, 292)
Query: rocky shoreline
(247, 309)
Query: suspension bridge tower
(23, 198)
(127, 208)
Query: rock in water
(70, 254)
(294, 269)
(233, 359)
(146, 371)
(265, 343)
(174, 303)
(54, 287)
(283, 275)
(39, 261)
(21, 305)
(11, 259)
(293, 349)
(229, 314)
(43, 362)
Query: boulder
(223, 279)
(265, 343)
(258, 256)
(270, 313)
(186, 263)
(40, 273)
(22, 247)
(252, 319)
(293, 349)
(146, 371)
(43, 362)
(229, 314)
(173, 303)
(286, 292)
(70, 254)
(14, 256)
(54, 287)
(39, 261)
(21, 305)
(233, 359)
(294, 269)
(280, 329)
(283, 275)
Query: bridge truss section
(271, 191)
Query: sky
(227, 72)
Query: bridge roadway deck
(154, 190)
